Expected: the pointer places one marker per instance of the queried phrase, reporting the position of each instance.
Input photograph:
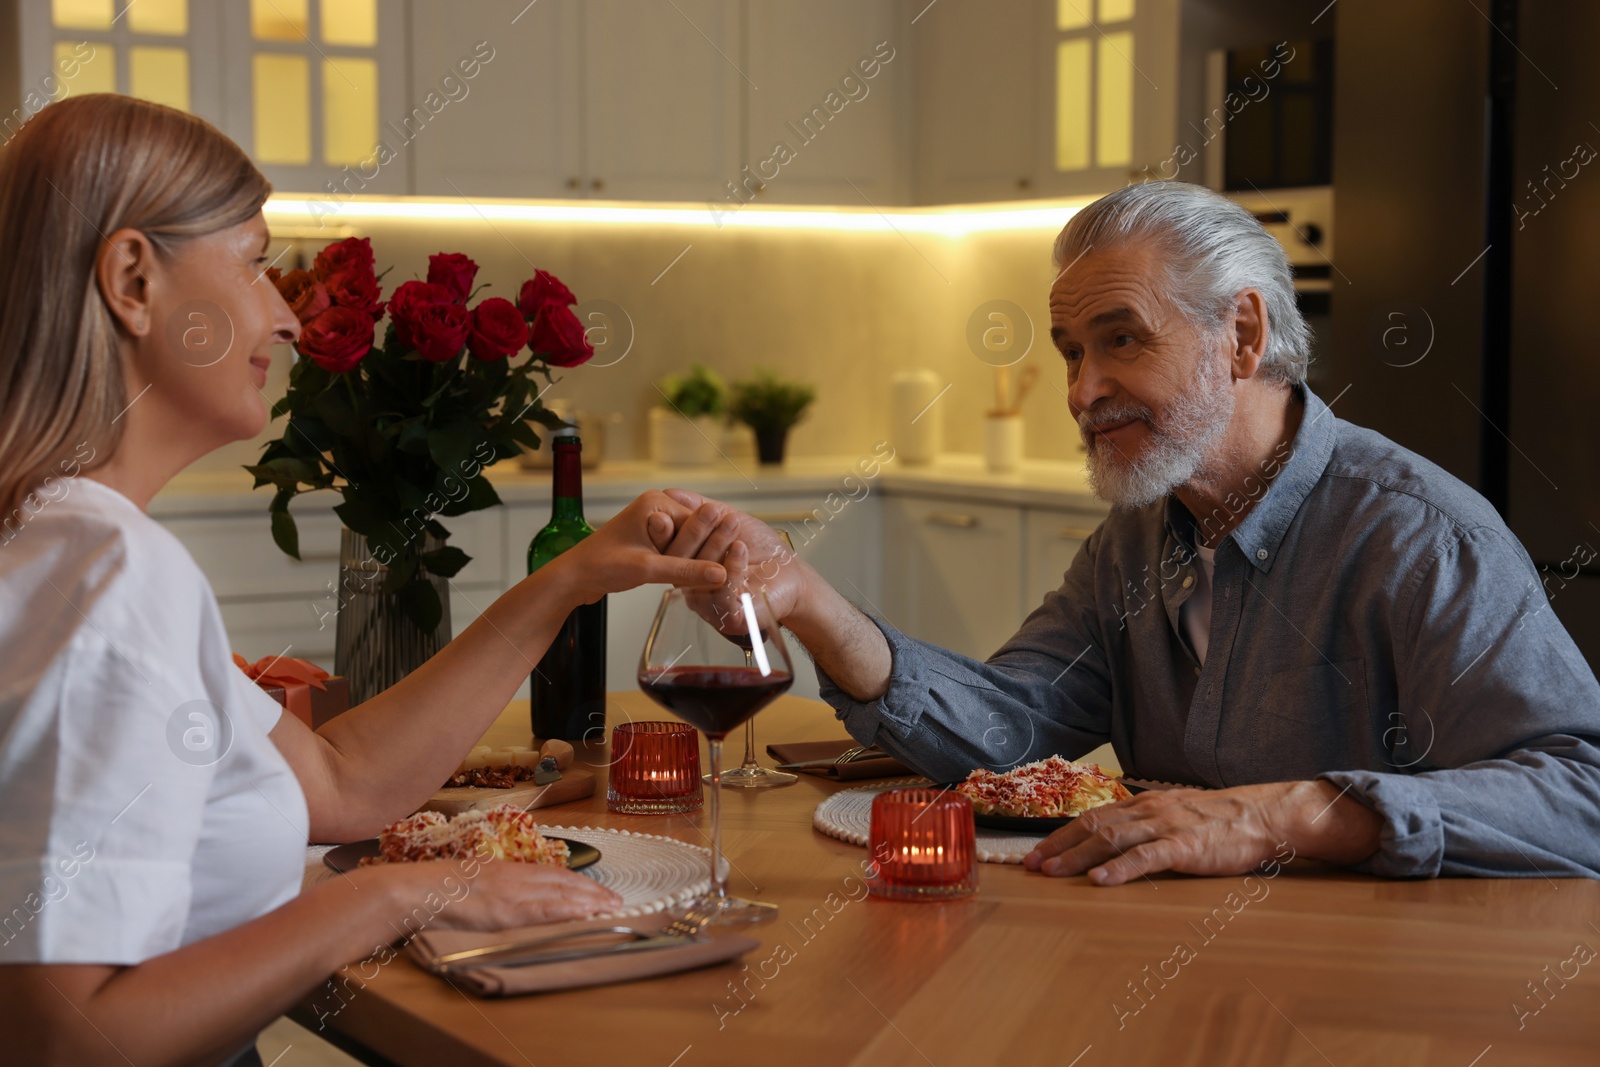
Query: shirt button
(1261, 553)
(1197, 672)
(1188, 580)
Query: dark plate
(1021, 824)
(349, 857)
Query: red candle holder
(922, 845)
(655, 769)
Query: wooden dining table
(1305, 965)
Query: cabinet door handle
(597, 184)
(774, 518)
(962, 522)
(573, 183)
(1074, 533)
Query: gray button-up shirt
(1373, 623)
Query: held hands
(625, 552)
(752, 553)
(1198, 831)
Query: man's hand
(1199, 831)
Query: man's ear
(1250, 333)
(122, 269)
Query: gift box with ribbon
(307, 691)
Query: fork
(684, 928)
(850, 755)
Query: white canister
(1002, 442)
(917, 426)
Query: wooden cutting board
(576, 783)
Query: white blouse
(142, 804)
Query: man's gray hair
(1214, 249)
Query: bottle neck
(567, 491)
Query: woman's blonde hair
(78, 172)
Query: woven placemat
(651, 873)
(847, 815)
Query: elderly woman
(150, 909)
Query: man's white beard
(1176, 448)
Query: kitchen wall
(845, 310)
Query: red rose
(454, 272)
(440, 330)
(498, 329)
(559, 339)
(542, 290)
(305, 295)
(337, 339)
(353, 253)
(408, 303)
(357, 290)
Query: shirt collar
(1289, 479)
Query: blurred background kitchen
(860, 195)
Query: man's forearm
(844, 642)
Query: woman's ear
(1250, 332)
(122, 269)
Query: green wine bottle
(568, 688)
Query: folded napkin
(868, 767)
(490, 981)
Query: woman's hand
(623, 553)
(494, 894)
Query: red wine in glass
(714, 700)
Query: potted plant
(401, 423)
(771, 407)
(685, 424)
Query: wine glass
(704, 674)
(750, 774)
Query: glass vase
(375, 643)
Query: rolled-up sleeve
(1047, 691)
(1500, 770)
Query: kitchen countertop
(1037, 483)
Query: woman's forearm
(203, 1002)
(386, 756)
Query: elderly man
(1340, 643)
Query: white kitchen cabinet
(1039, 98)
(662, 97)
(977, 104)
(1051, 540)
(819, 130)
(517, 131)
(953, 571)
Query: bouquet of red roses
(402, 423)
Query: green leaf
(522, 433)
(445, 562)
(435, 527)
(363, 514)
(480, 494)
(333, 408)
(420, 601)
(401, 572)
(285, 534)
(307, 432)
(413, 437)
(451, 445)
(282, 406)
